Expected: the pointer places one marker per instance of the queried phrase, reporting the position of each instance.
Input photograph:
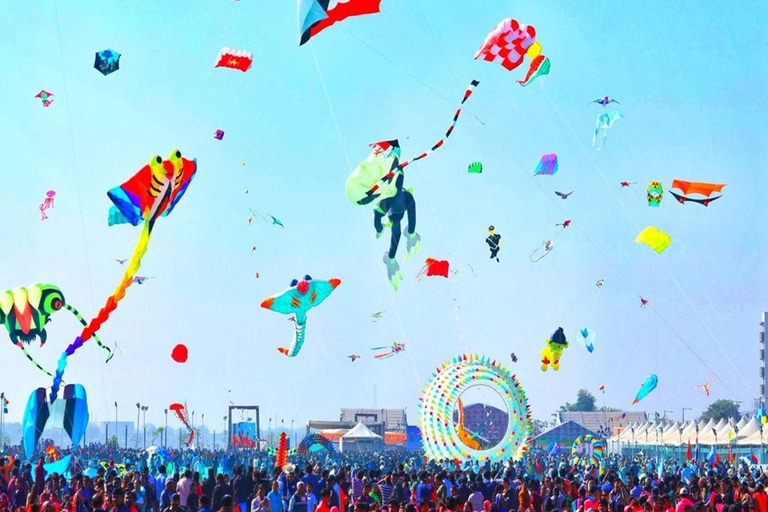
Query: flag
(688, 453)
(4, 403)
(661, 468)
(235, 59)
(753, 458)
(602, 388)
(711, 455)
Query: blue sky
(691, 80)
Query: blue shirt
(276, 501)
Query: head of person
(175, 500)
(393, 506)
(118, 496)
(325, 495)
(205, 501)
(226, 502)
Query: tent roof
(360, 431)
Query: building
(389, 424)
(604, 423)
(564, 434)
(487, 422)
(394, 419)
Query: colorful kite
(234, 59)
(270, 219)
(547, 166)
(70, 413)
(654, 238)
(375, 317)
(317, 15)
(508, 43)
(395, 348)
(45, 97)
(433, 267)
(644, 302)
(141, 279)
(655, 193)
(380, 178)
(696, 187)
(587, 450)
(297, 300)
(151, 193)
(602, 125)
(600, 283)
(705, 386)
(312, 443)
(183, 414)
(180, 353)
(648, 385)
(353, 357)
(464, 435)
(47, 203)
(551, 353)
(605, 100)
(107, 61)
(493, 241)
(588, 339)
(219, 135)
(25, 313)
(475, 168)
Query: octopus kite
(380, 178)
(551, 353)
(297, 301)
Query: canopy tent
(361, 439)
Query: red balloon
(180, 353)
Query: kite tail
(77, 314)
(29, 356)
(439, 143)
(298, 341)
(90, 330)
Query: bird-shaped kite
(353, 357)
(375, 317)
(565, 223)
(122, 262)
(513, 357)
(705, 386)
(627, 183)
(141, 279)
(563, 195)
(297, 300)
(644, 302)
(605, 100)
(600, 283)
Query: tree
(155, 433)
(585, 402)
(538, 426)
(720, 409)
(112, 442)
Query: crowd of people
(245, 481)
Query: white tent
(361, 439)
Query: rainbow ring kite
(439, 400)
(314, 440)
(587, 450)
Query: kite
(602, 125)
(513, 357)
(508, 43)
(464, 435)
(494, 243)
(234, 59)
(353, 357)
(655, 193)
(705, 386)
(547, 166)
(605, 100)
(563, 195)
(475, 168)
(313, 443)
(122, 262)
(600, 283)
(69, 412)
(180, 353)
(540, 252)
(648, 385)
(218, 135)
(47, 203)
(626, 183)
(257, 275)
(654, 238)
(695, 187)
(380, 178)
(266, 218)
(588, 339)
(565, 223)
(141, 279)
(297, 300)
(433, 267)
(393, 349)
(183, 414)
(644, 302)
(317, 15)
(107, 61)
(539, 67)
(375, 317)
(151, 193)
(45, 97)
(25, 313)
(551, 353)
(587, 450)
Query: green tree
(585, 402)
(112, 442)
(720, 409)
(538, 426)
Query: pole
(202, 428)
(106, 436)
(2, 421)
(138, 416)
(116, 433)
(144, 410)
(214, 440)
(126, 435)
(165, 432)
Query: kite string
(370, 232)
(659, 260)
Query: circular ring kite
(586, 450)
(312, 440)
(441, 395)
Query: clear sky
(691, 79)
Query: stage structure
(244, 429)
